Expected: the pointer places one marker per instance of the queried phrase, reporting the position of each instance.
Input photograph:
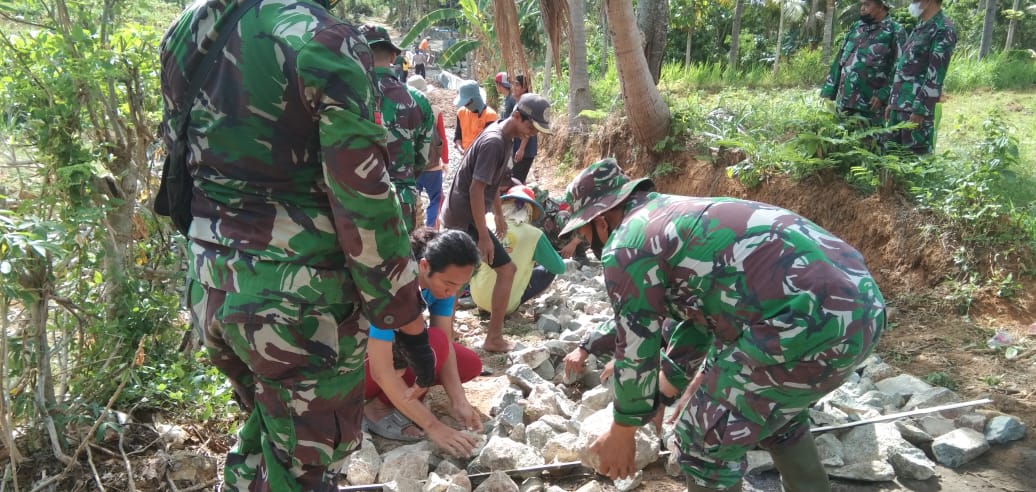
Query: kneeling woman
(394, 406)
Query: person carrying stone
(475, 189)
(535, 260)
(407, 115)
(780, 312)
(446, 262)
(472, 117)
(920, 72)
(294, 229)
(861, 74)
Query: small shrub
(940, 378)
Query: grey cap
(536, 108)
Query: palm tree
(653, 22)
(792, 10)
(578, 72)
(987, 29)
(735, 35)
(647, 112)
(829, 29)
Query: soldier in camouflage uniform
(920, 72)
(407, 115)
(297, 241)
(861, 74)
(779, 311)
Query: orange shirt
(471, 124)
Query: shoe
(465, 302)
(391, 427)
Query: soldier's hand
(876, 104)
(608, 370)
(569, 249)
(616, 452)
(575, 361)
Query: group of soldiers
(886, 76)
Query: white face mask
(915, 9)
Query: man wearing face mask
(920, 72)
(861, 74)
(473, 116)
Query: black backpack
(177, 186)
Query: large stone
(868, 471)
(904, 384)
(548, 324)
(912, 463)
(629, 483)
(872, 442)
(759, 462)
(562, 448)
(402, 484)
(542, 401)
(971, 420)
(546, 371)
(447, 483)
(524, 377)
(532, 484)
(913, 434)
(879, 371)
(1004, 428)
(597, 398)
(361, 467)
(935, 397)
(831, 450)
(557, 422)
(506, 396)
(645, 440)
(959, 447)
(559, 348)
(502, 453)
(538, 433)
(497, 481)
(410, 461)
(532, 356)
(593, 486)
(190, 466)
(881, 400)
(935, 426)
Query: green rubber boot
(800, 466)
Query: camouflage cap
(596, 190)
(378, 35)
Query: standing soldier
(407, 115)
(778, 310)
(861, 74)
(920, 72)
(297, 242)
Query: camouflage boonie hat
(596, 190)
(378, 35)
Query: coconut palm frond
(556, 21)
(509, 36)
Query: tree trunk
(735, 34)
(780, 37)
(687, 48)
(578, 75)
(647, 112)
(606, 46)
(653, 22)
(987, 29)
(829, 30)
(1012, 26)
(548, 68)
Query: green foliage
(457, 52)
(1000, 71)
(940, 378)
(429, 20)
(604, 90)
(186, 386)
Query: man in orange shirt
(472, 117)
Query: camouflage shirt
(921, 69)
(407, 115)
(292, 196)
(865, 64)
(755, 284)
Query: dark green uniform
(864, 68)
(297, 241)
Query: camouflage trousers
(408, 200)
(750, 398)
(920, 140)
(298, 370)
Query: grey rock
(935, 426)
(879, 371)
(506, 396)
(913, 434)
(410, 461)
(524, 377)
(596, 398)
(629, 483)
(546, 371)
(832, 453)
(446, 468)
(361, 467)
(881, 400)
(827, 417)
(555, 488)
(593, 486)
(497, 481)
(912, 463)
(457, 482)
(959, 447)
(872, 442)
(189, 466)
(548, 324)
(402, 484)
(759, 462)
(645, 440)
(538, 433)
(904, 384)
(532, 356)
(1004, 428)
(869, 471)
(542, 401)
(559, 348)
(532, 484)
(975, 421)
(517, 433)
(571, 336)
(502, 453)
(509, 417)
(556, 422)
(562, 448)
(933, 398)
